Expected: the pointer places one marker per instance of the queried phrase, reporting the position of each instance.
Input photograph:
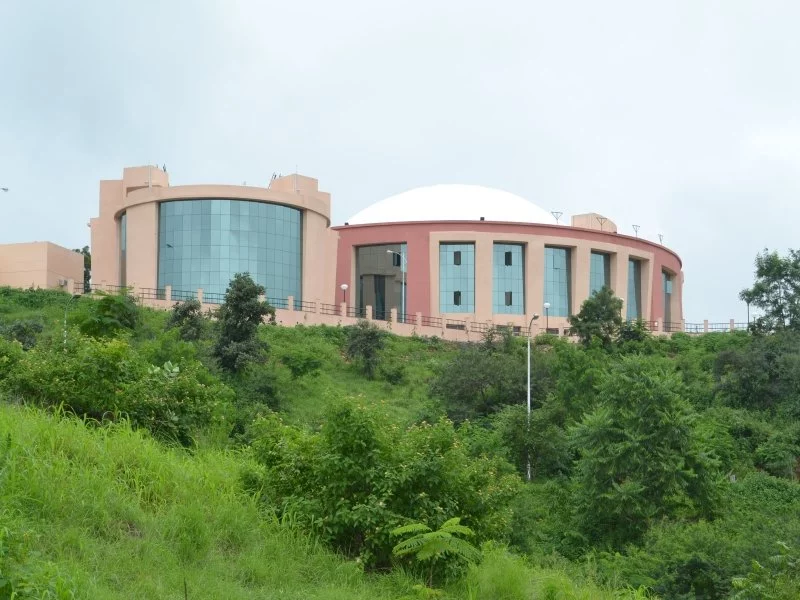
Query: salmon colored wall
(422, 241)
(38, 265)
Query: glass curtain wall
(379, 276)
(666, 285)
(508, 293)
(634, 298)
(599, 272)
(123, 249)
(557, 280)
(457, 278)
(204, 243)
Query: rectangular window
(599, 272)
(634, 298)
(381, 280)
(557, 284)
(508, 279)
(457, 278)
(666, 285)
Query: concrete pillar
(705, 325)
(368, 312)
(733, 325)
(581, 265)
(200, 295)
(418, 319)
(343, 309)
(393, 315)
(168, 293)
(290, 303)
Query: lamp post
(403, 288)
(535, 316)
(547, 316)
(66, 308)
(344, 287)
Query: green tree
(640, 458)
(111, 315)
(429, 545)
(187, 317)
(776, 291)
(600, 317)
(239, 317)
(364, 344)
(87, 267)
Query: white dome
(453, 203)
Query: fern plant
(429, 545)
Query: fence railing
(672, 326)
(278, 303)
(431, 321)
(358, 313)
(305, 306)
(455, 324)
(213, 298)
(328, 309)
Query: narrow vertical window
(395, 260)
(457, 298)
(508, 259)
(457, 257)
(509, 299)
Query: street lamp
(403, 269)
(66, 308)
(547, 316)
(535, 316)
(344, 287)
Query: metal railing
(406, 318)
(278, 303)
(477, 327)
(305, 306)
(455, 324)
(181, 295)
(431, 321)
(213, 298)
(152, 294)
(357, 313)
(328, 309)
(672, 326)
(694, 328)
(719, 326)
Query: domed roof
(452, 203)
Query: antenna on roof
(602, 221)
(660, 239)
(556, 215)
(636, 229)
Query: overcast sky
(682, 117)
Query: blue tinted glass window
(123, 249)
(599, 272)
(508, 279)
(557, 280)
(204, 243)
(634, 298)
(666, 285)
(457, 278)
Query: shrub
(24, 331)
(111, 315)
(187, 317)
(239, 317)
(361, 476)
(108, 379)
(301, 361)
(364, 344)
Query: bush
(187, 317)
(24, 331)
(361, 477)
(111, 315)
(301, 361)
(108, 379)
(364, 344)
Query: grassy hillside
(107, 513)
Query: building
(40, 265)
(446, 256)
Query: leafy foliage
(364, 344)
(600, 317)
(187, 317)
(776, 291)
(110, 315)
(239, 317)
(429, 545)
(24, 331)
(361, 477)
(640, 458)
(87, 267)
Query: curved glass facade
(204, 243)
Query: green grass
(116, 515)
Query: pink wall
(418, 238)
